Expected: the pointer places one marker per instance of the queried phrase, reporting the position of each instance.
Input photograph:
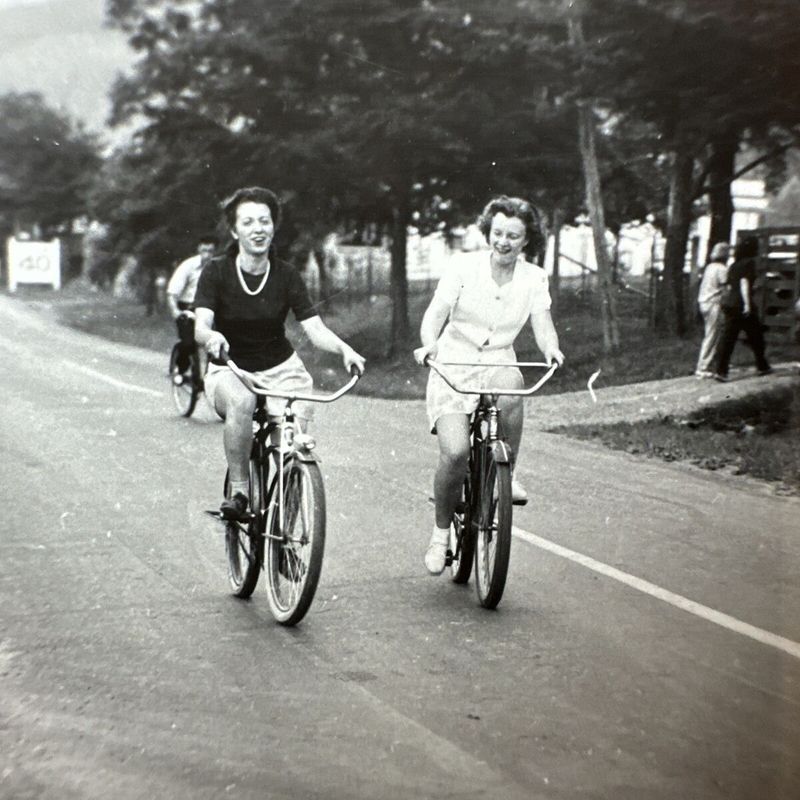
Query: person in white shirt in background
(485, 303)
(715, 276)
(181, 290)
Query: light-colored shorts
(441, 399)
(288, 376)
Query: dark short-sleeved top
(742, 268)
(254, 326)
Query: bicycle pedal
(448, 558)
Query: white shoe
(436, 554)
(518, 494)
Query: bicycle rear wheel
(295, 550)
(184, 384)
(462, 538)
(493, 539)
(244, 543)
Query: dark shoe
(721, 378)
(235, 508)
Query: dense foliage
(47, 164)
(414, 110)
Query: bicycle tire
(294, 557)
(462, 538)
(184, 386)
(493, 536)
(244, 544)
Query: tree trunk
(555, 284)
(720, 176)
(670, 312)
(401, 217)
(325, 298)
(594, 202)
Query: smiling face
(253, 227)
(507, 238)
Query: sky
(61, 49)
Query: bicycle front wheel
(493, 539)
(183, 382)
(296, 542)
(244, 543)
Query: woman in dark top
(739, 312)
(242, 301)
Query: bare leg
(236, 405)
(511, 409)
(453, 434)
(511, 416)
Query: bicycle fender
(501, 452)
(306, 455)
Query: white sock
(440, 535)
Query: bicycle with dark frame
(185, 365)
(481, 528)
(284, 533)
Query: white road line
(129, 387)
(683, 603)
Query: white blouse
(484, 316)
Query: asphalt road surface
(647, 646)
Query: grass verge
(757, 435)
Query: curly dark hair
(251, 194)
(527, 212)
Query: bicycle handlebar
(436, 366)
(252, 384)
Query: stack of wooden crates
(778, 284)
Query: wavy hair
(251, 194)
(530, 216)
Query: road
(647, 646)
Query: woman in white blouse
(485, 301)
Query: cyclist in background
(180, 296)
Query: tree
(46, 165)
(594, 198)
(703, 74)
(361, 115)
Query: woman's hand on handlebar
(353, 361)
(552, 354)
(426, 351)
(217, 345)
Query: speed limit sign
(33, 262)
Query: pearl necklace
(244, 285)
